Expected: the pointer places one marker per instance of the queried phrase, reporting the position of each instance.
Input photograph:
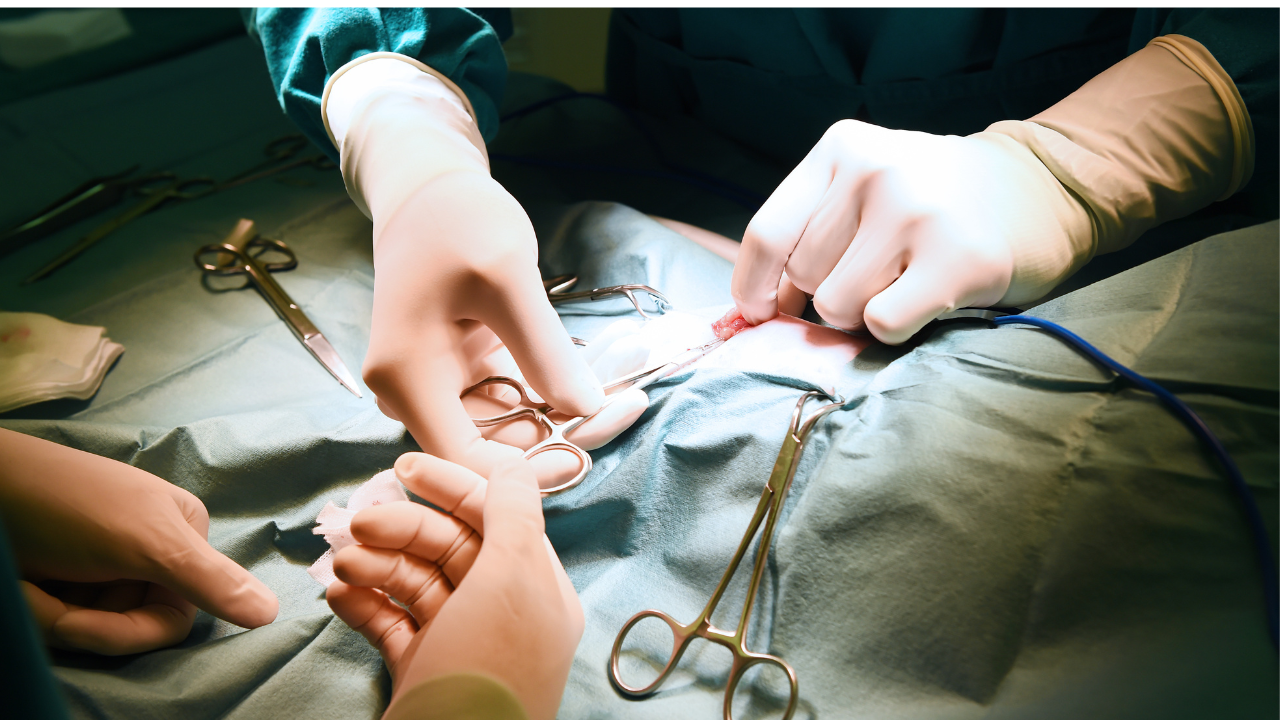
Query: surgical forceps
(230, 257)
(155, 189)
(770, 506)
(90, 198)
(556, 432)
(279, 153)
(558, 293)
(98, 194)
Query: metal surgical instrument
(99, 194)
(558, 293)
(233, 257)
(767, 511)
(90, 198)
(280, 153)
(154, 189)
(556, 432)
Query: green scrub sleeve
(457, 697)
(27, 685)
(305, 46)
(1246, 43)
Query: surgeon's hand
(455, 261)
(887, 229)
(115, 560)
(484, 591)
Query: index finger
(449, 486)
(522, 317)
(773, 234)
(184, 562)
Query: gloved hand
(888, 229)
(455, 259)
(484, 590)
(114, 560)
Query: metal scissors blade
(328, 357)
(648, 376)
(240, 261)
(88, 199)
(155, 190)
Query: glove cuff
(397, 124)
(1154, 138)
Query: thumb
(185, 563)
(530, 328)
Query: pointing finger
(180, 559)
(530, 328)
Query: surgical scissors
(558, 293)
(556, 432)
(90, 198)
(155, 189)
(279, 152)
(232, 259)
(100, 193)
(770, 507)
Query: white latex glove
(114, 560)
(455, 259)
(611, 355)
(888, 229)
(482, 590)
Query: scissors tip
(328, 357)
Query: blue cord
(680, 173)
(1258, 531)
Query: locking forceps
(767, 511)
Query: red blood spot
(731, 324)
(21, 333)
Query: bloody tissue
(731, 324)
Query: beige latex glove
(114, 560)
(888, 229)
(455, 259)
(484, 591)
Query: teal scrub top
(776, 79)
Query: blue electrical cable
(730, 191)
(1258, 531)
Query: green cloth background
(992, 527)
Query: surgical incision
(731, 324)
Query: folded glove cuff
(398, 123)
(375, 78)
(1198, 58)
(1154, 138)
